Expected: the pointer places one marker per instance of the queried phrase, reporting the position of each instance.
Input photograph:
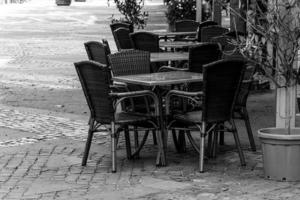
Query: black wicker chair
(207, 33)
(97, 51)
(116, 25)
(199, 56)
(130, 62)
(122, 38)
(105, 42)
(95, 81)
(185, 26)
(221, 82)
(204, 24)
(240, 108)
(145, 41)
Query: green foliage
(132, 12)
(180, 9)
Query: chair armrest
(168, 69)
(183, 94)
(247, 81)
(125, 95)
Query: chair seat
(189, 117)
(130, 117)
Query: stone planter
(63, 2)
(281, 153)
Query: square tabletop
(161, 78)
(168, 56)
(178, 44)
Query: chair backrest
(129, 62)
(221, 83)
(203, 54)
(122, 38)
(207, 33)
(186, 25)
(95, 79)
(204, 24)
(246, 85)
(116, 25)
(104, 41)
(145, 41)
(97, 51)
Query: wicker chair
(130, 62)
(185, 26)
(240, 108)
(122, 38)
(221, 82)
(209, 52)
(97, 51)
(116, 25)
(207, 33)
(104, 41)
(95, 81)
(145, 41)
(204, 24)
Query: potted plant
(132, 12)
(272, 43)
(63, 2)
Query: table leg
(163, 135)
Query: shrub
(132, 12)
(180, 9)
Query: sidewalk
(43, 123)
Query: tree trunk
(285, 107)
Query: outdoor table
(157, 80)
(178, 44)
(168, 56)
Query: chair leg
(136, 140)
(181, 140)
(209, 145)
(154, 137)
(113, 148)
(248, 127)
(215, 143)
(221, 133)
(88, 142)
(201, 155)
(127, 141)
(175, 140)
(238, 143)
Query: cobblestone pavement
(44, 127)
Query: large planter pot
(63, 2)
(281, 153)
